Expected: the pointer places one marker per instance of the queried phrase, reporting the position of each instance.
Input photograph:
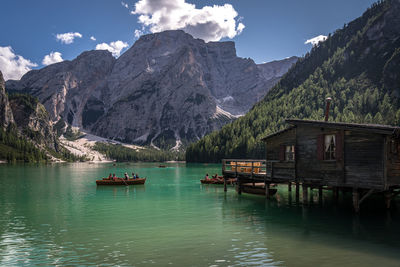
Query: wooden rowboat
(121, 181)
(258, 190)
(217, 181)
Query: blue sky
(273, 29)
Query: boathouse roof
(372, 128)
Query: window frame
(332, 154)
(291, 153)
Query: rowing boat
(120, 181)
(220, 180)
(258, 190)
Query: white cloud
(13, 66)
(52, 58)
(114, 47)
(138, 33)
(314, 41)
(210, 23)
(92, 38)
(68, 38)
(124, 4)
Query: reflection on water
(57, 215)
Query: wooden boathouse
(360, 158)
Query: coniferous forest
(122, 154)
(357, 66)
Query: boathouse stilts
(225, 188)
(320, 194)
(290, 187)
(305, 194)
(335, 192)
(267, 193)
(239, 186)
(297, 191)
(356, 200)
(388, 199)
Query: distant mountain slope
(358, 66)
(26, 132)
(168, 89)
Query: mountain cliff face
(168, 89)
(357, 66)
(6, 116)
(33, 121)
(26, 131)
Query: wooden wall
(393, 161)
(275, 146)
(364, 155)
(310, 169)
(359, 159)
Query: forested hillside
(358, 66)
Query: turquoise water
(55, 214)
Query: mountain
(26, 131)
(167, 90)
(358, 66)
(6, 116)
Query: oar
(124, 181)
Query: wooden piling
(239, 186)
(297, 191)
(335, 192)
(267, 195)
(305, 194)
(356, 200)
(290, 187)
(225, 188)
(320, 194)
(388, 199)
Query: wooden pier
(342, 157)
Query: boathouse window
(289, 153)
(329, 147)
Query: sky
(34, 34)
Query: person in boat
(206, 177)
(137, 176)
(133, 175)
(114, 177)
(110, 177)
(215, 176)
(126, 176)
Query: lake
(55, 214)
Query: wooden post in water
(320, 194)
(290, 187)
(297, 191)
(239, 186)
(305, 194)
(356, 200)
(335, 192)
(388, 199)
(267, 195)
(225, 189)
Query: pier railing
(244, 166)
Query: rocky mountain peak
(167, 89)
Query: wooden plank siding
(364, 160)
(279, 169)
(311, 169)
(393, 162)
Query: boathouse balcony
(246, 168)
(258, 170)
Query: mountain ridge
(167, 90)
(355, 66)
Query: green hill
(358, 66)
